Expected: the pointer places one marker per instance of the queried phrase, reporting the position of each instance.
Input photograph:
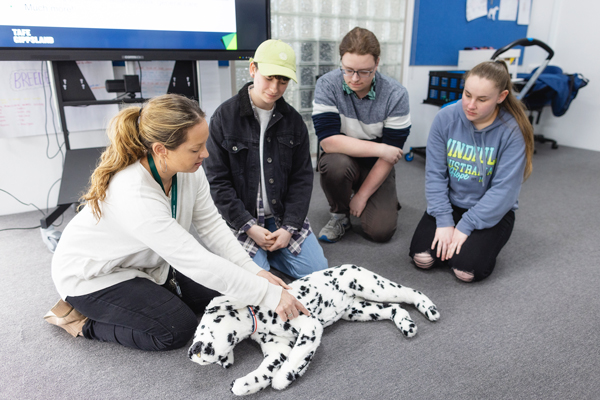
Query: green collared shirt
(369, 96)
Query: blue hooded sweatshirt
(478, 170)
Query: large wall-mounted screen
(132, 29)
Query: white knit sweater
(137, 237)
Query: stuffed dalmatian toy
(346, 291)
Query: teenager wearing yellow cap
(260, 169)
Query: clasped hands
(449, 241)
(267, 240)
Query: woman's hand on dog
(289, 307)
(273, 279)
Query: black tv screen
(132, 29)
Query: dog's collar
(254, 320)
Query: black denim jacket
(233, 166)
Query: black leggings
(478, 253)
(140, 314)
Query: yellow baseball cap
(275, 57)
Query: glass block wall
(314, 28)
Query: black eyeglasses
(361, 73)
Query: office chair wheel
(409, 156)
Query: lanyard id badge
(173, 185)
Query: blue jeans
(310, 259)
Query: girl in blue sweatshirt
(479, 152)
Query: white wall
(572, 30)
(28, 174)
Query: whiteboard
(26, 107)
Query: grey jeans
(342, 175)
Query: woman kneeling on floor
(479, 152)
(126, 267)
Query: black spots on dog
(319, 300)
(291, 344)
(231, 338)
(286, 326)
(416, 291)
(355, 267)
(303, 291)
(209, 350)
(302, 340)
(290, 377)
(266, 378)
(343, 271)
(273, 365)
(374, 316)
(364, 303)
(392, 284)
(326, 303)
(334, 282)
(223, 361)
(328, 272)
(256, 379)
(261, 317)
(354, 312)
(212, 310)
(354, 285)
(218, 319)
(270, 313)
(382, 306)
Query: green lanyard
(173, 185)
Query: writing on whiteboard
(28, 79)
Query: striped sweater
(384, 119)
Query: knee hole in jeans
(423, 260)
(463, 275)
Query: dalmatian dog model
(346, 291)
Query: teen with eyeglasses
(362, 120)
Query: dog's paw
(408, 327)
(432, 313)
(249, 384)
(282, 380)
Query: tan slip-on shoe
(64, 315)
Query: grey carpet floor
(530, 331)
